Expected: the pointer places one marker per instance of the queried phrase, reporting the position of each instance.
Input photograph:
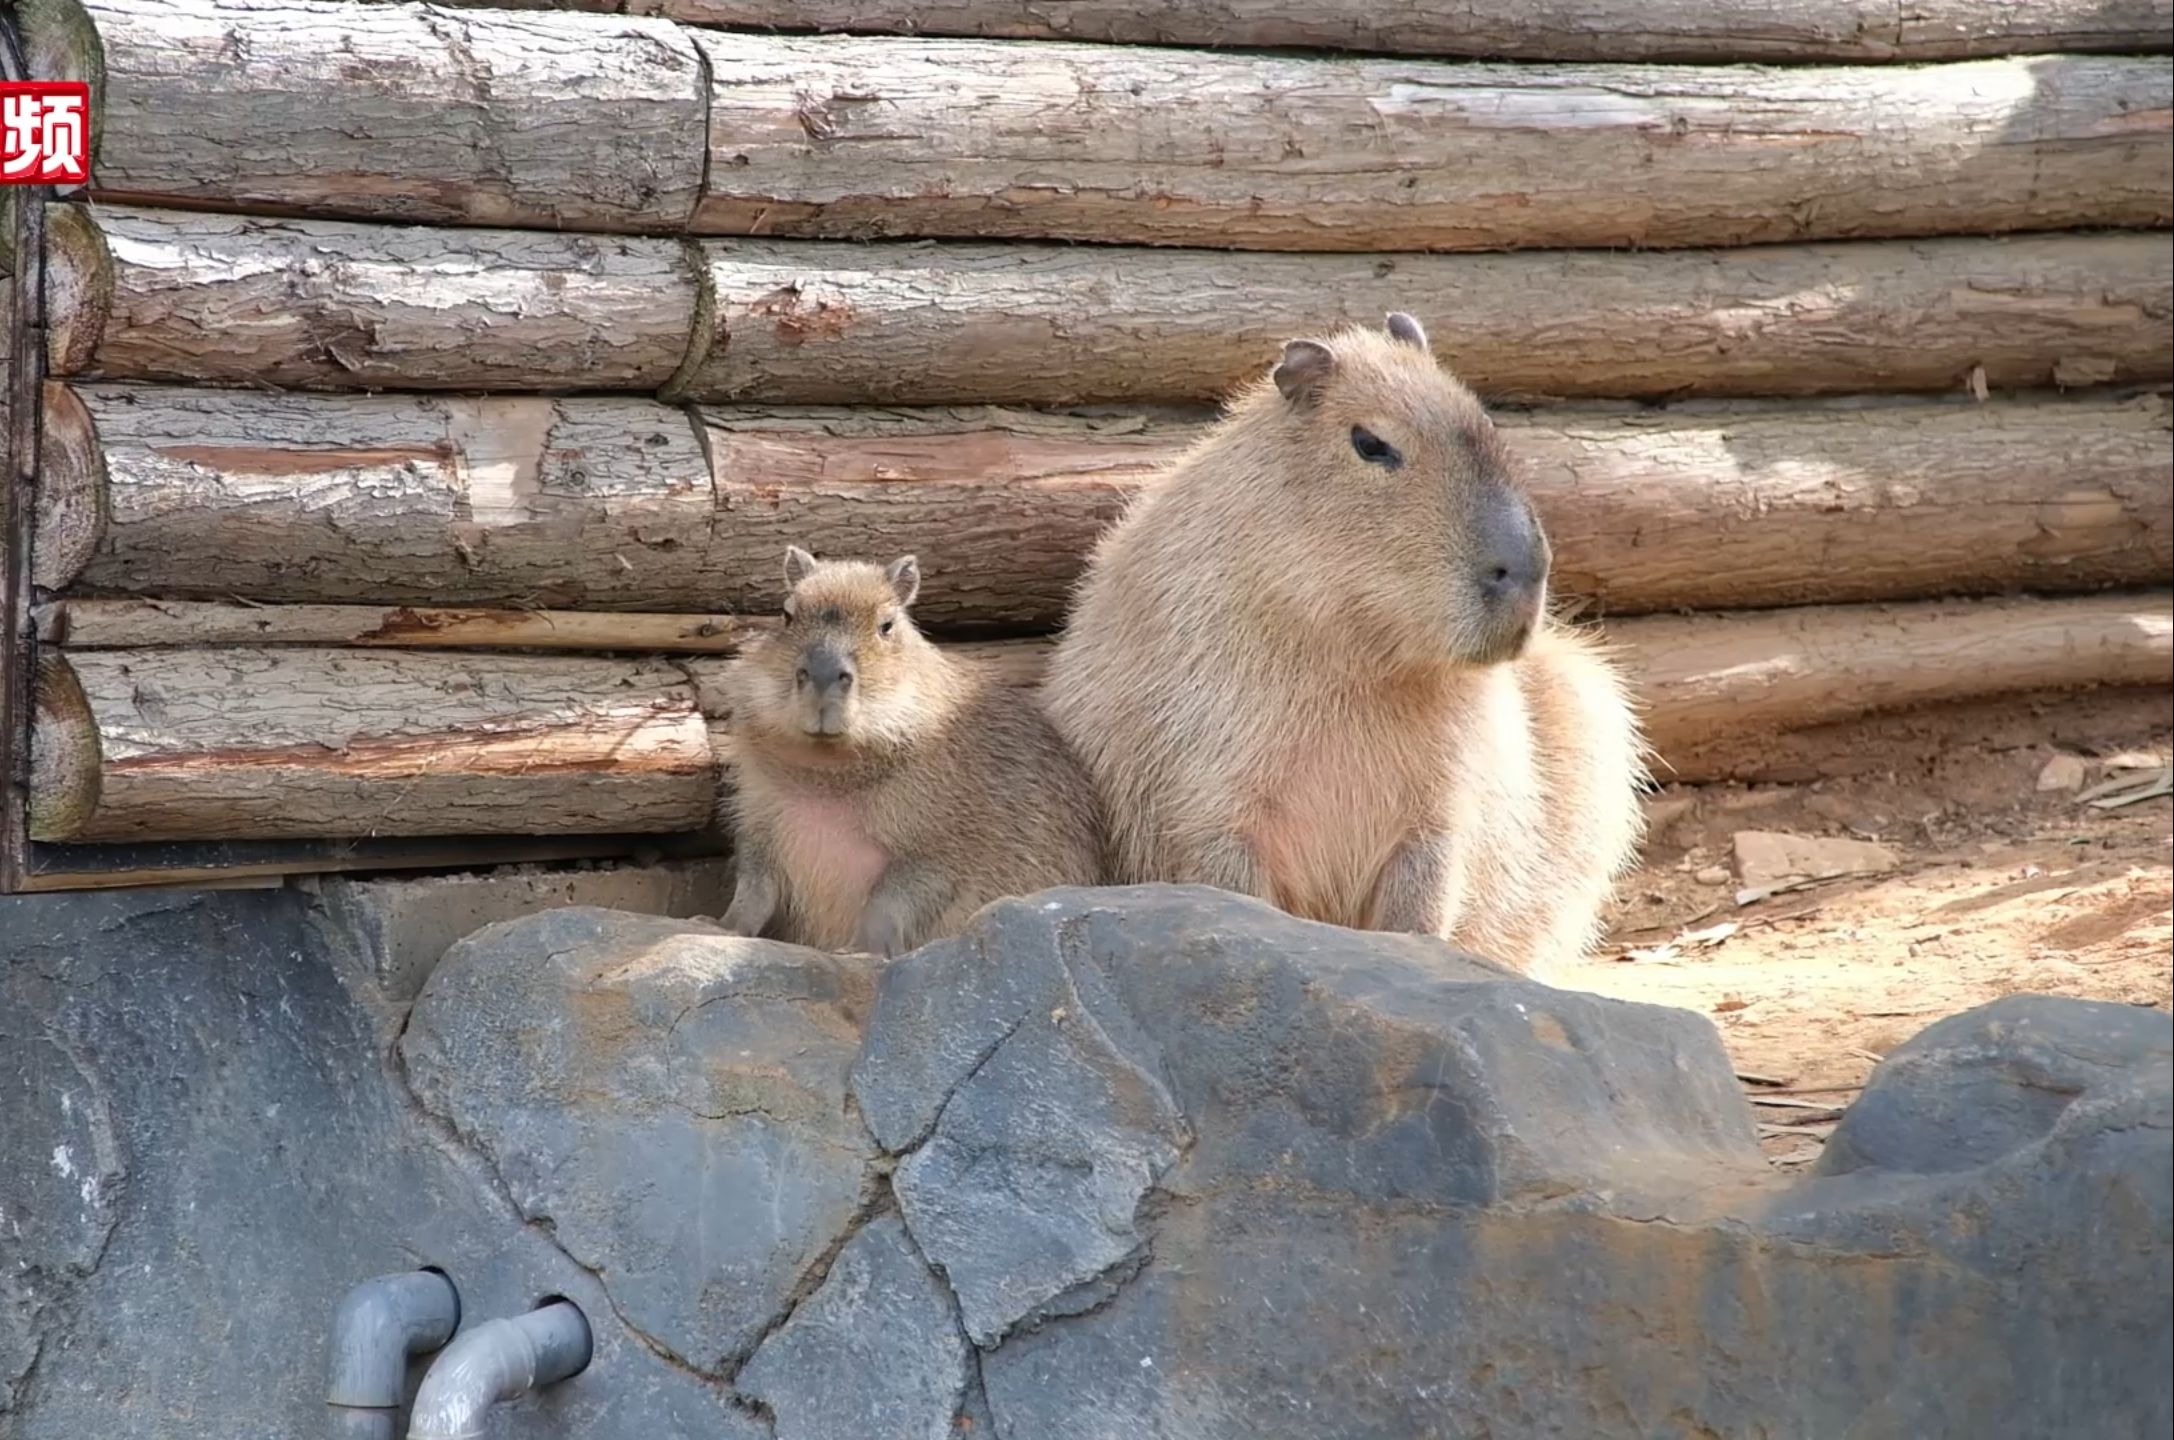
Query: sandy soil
(1999, 888)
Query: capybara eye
(1373, 449)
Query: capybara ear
(1304, 370)
(799, 565)
(904, 573)
(1403, 327)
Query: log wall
(407, 439)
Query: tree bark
(161, 295)
(239, 744)
(855, 138)
(401, 112)
(1857, 31)
(614, 505)
(818, 323)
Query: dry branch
(273, 744)
(613, 504)
(1702, 30)
(401, 112)
(820, 323)
(160, 295)
(854, 138)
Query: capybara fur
(886, 790)
(1314, 663)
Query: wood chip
(2163, 785)
(1785, 1102)
(1753, 1077)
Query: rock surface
(669, 1100)
(201, 1149)
(1183, 1168)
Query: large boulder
(668, 1099)
(1132, 1164)
(1195, 1168)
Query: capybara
(1314, 663)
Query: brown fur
(1288, 676)
(941, 790)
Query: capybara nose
(1515, 569)
(825, 671)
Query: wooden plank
(845, 137)
(401, 112)
(204, 864)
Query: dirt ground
(1998, 887)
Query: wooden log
(241, 744)
(1712, 687)
(612, 504)
(163, 295)
(401, 112)
(1713, 684)
(60, 42)
(1857, 31)
(81, 624)
(848, 324)
(239, 864)
(843, 137)
(221, 299)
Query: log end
(71, 495)
(66, 760)
(60, 42)
(78, 288)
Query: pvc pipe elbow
(499, 1360)
(379, 1324)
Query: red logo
(45, 132)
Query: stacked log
(278, 742)
(421, 426)
(626, 504)
(599, 124)
(1858, 31)
(143, 295)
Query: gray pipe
(498, 1360)
(379, 1324)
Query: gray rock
(1189, 1168)
(875, 1352)
(669, 1100)
(1974, 1087)
(201, 1149)
(1409, 1195)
